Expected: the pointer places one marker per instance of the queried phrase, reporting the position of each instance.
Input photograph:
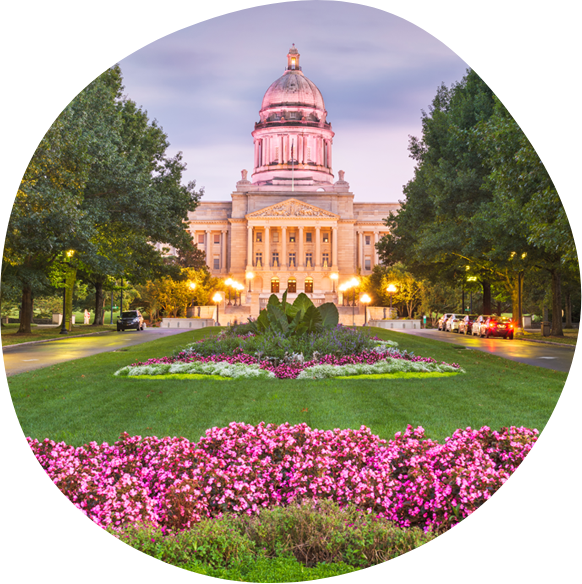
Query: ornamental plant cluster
(173, 483)
(383, 359)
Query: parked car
(452, 325)
(132, 319)
(476, 328)
(466, 325)
(498, 326)
(443, 321)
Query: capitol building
(291, 226)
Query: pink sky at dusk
(204, 85)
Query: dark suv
(132, 319)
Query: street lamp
(64, 330)
(250, 277)
(334, 278)
(239, 288)
(343, 288)
(229, 283)
(391, 289)
(217, 299)
(365, 299)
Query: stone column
(329, 154)
(360, 250)
(267, 247)
(376, 240)
(301, 258)
(317, 262)
(223, 266)
(208, 258)
(334, 262)
(249, 246)
(283, 246)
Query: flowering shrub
(173, 483)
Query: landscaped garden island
(291, 341)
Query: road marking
(547, 357)
(25, 360)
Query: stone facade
(292, 228)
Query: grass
(80, 401)
(10, 336)
(570, 337)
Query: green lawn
(9, 336)
(80, 401)
(570, 337)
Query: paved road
(540, 354)
(19, 359)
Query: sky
(377, 72)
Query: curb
(8, 347)
(548, 343)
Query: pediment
(292, 208)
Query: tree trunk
(556, 305)
(25, 311)
(516, 299)
(486, 297)
(99, 300)
(568, 310)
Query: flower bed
(382, 358)
(173, 483)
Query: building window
(274, 285)
(217, 263)
(292, 237)
(308, 285)
(367, 264)
(259, 237)
(326, 238)
(292, 285)
(259, 259)
(275, 237)
(292, 260)
(309, 260)
(368, 239)
(217, 238)
(275, 259)
(201, 238)
(309, 237)
(325, 258)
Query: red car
(497, 326)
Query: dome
(293, 88)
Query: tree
(534, 139)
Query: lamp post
(239, 288)
(343, 289)
(334, 278)
(217, 299)
(64, 330)
(229, 283)
(192, 286)
(391, 289)
(365, 299)
(250, 277)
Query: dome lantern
(293, 59)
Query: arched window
(308, 284)
(274, 285)
(292, 285)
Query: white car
(453, 323)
